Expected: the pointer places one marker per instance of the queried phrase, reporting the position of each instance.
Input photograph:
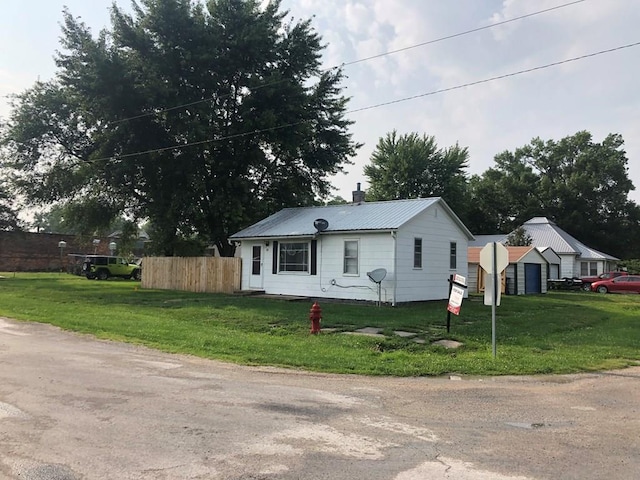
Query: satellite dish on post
(321, 224)
(376, 276)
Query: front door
(255, 279)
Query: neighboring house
(326, 252)
(526, 272)
(576, 259)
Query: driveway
(73, 407)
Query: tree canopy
(202, 119)
(413, 166)
(580, 184)
(519, 238)
(8, 215)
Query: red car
(623, 284)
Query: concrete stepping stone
(448, 343)
(400, 333)
(368, 330)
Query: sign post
(494, 258)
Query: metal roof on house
(364, 216)
(545, 233)
(482, 240)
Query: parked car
(104, 266)
(621, 284)
(587, 281)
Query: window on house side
(417, 253)
(351, 257)
(584, 269)
(588, 269)
(293, 257)
(453, 256)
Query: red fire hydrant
(315, 315)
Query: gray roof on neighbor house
(482, 240)
(364, 216)
(545, 233)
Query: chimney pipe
(358, 195)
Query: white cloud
(357, 18)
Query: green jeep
(103, 267)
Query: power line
(354, 62)
(456, 35)
(371, 107)
(499, 77)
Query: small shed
(553, 260)
(525, 274)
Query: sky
(598, 94)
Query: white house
(576, 259)
(326, 252)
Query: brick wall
(39, 252)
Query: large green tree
(413, 166)
(8, 215)
(200, 118)
(580, 184)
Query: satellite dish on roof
(321, 224)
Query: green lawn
(558, 332)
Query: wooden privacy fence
(192, 274)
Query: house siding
(472, 278)
(553, 272)
(511, 279)
(437, 230)
(569, 267)
(375, 250)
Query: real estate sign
(457, 294)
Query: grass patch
(559, 332)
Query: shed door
(255, 279)
(532, 278)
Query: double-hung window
(588, 269)
(417, 253)
(350, 257)
(453, 255)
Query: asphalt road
(72, 407)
